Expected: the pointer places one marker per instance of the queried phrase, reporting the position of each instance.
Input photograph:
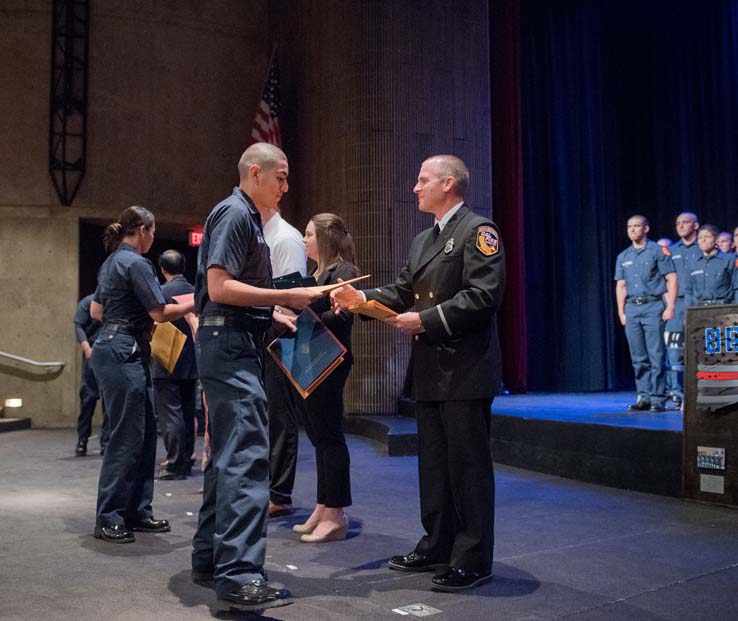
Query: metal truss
(68, 96)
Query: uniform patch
(665, 250)
(736, 261)
(487, 241)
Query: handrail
(33, 363)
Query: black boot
(81, 449)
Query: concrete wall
(173, 87)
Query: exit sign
(195, 238)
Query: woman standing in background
(329, 244)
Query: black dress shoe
(256, 595)
(116, 533)
(656, 407)
(166, 475)
(81, 449)
(150, 525)
(454, 579)
(639, 406)
(203, 579)
(414, 562)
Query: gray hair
(454, 167)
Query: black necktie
(436, 231)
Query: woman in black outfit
(128, 300)
(329, 244)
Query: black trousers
(89, 394)
(285, 412)
(457, 488)
(324, 426)
(175, 408)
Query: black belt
(644, 299)
(250, 324)
(126, 329)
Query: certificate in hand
(309, 355)
(373, 309)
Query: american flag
(266, 122)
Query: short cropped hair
(262, 154)
(642, 218)
(452, 166)
(712, 228)
(172, 262)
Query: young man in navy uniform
(713, 275)
(454, 279)
(687, 225)
(644, 272)
(235, 301)
(86, 330)
(174, 393)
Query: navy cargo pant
(675, 352)
(644, 330)
(89, 394)
(126, 485)
(231, 532)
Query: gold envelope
(373, 309)
(167, 344)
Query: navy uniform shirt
(85, 327)
(233, 240)
(186, 367)
(712, 278)
(644, 269)
(682, 254)
(128, 289)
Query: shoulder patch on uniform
(487, 240)
(736, 261)
(665, 250)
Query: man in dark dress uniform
(235, 301)
(454, 277)
(174, 393)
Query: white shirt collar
(448, 215)
(272, 223)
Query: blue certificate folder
(309, 355)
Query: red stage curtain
(507, 185)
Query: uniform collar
(125, 246)
(246, 199)
(448, 215)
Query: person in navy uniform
(454, 279)
(86, 330)
(644, 272)
(713, 275)
(128, 300)
(235, 301)
(725, 242)
(687, 225)
(174, 393)
(329, 243)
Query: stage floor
(563, 549)
(599, 408)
